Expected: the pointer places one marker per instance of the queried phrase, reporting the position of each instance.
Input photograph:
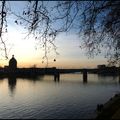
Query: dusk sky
(70, 55)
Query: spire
(12, 56)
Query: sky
(70, 55)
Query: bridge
(82, 71)
(33, 72)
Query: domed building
(12, 63)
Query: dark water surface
(45, 98)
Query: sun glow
(70, 55)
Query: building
(101, 66)
(12, 63)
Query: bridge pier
(84, 76)
(56, 75)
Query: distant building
(5, 67)
(101, 66)
(12, 63)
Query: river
(43, 98)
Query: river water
(42, 97)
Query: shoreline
(109, 110)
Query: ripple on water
(70, 98)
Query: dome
(12, 63)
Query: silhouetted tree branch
(97, 22)
(37, 20)
(3, 28)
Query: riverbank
(110, 110)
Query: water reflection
(12, 84)
(1, 80)
(35, 78)
(57, 79)
(108, 79)
(85, 81)
(44, 97)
